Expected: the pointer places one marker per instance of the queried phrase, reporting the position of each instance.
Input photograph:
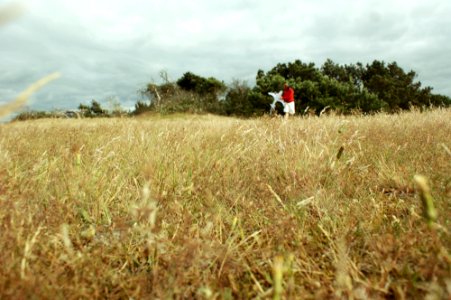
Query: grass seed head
(429, 211)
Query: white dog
(277, 98)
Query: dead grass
(221, 208)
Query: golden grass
(221, 208)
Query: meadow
(210, 207)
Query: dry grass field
(209, 207)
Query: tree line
(345, 89)
(370, 88)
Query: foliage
(344, 89)
(238, 100)
(84, 111)
(200, 85)
(34, 115)
(296, 71)
(190, 93)
(392, 85)
(93, 110)
(143, 107)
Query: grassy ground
(221, 208)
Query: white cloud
(106, 48)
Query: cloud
(113, 48)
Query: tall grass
(222, 208)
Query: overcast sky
(110, 49)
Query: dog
(277, 99)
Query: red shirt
(288, 95)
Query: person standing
(288, 98)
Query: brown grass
(221, 208)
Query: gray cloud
(113, 49)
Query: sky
(109, 50)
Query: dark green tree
(93, 110)
(297, 71)
(97, 109)
(393, 86)
(203, 86)
(237, 101)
